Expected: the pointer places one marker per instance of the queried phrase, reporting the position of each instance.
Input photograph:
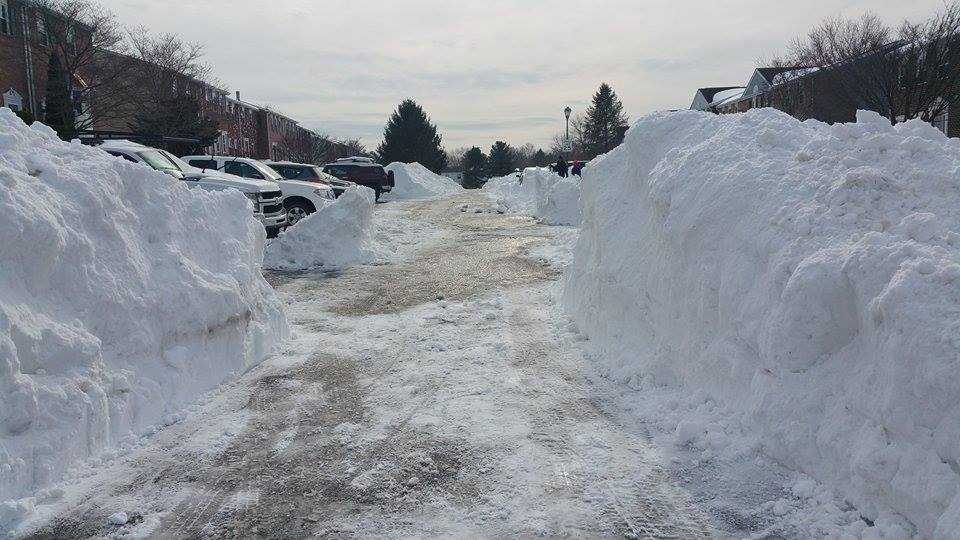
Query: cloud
(500, 69)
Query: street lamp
(566, 112)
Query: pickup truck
(265, 195)
(362, 171)
(300, 199)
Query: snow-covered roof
(727, 96)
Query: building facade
(25, 51)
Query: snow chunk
(414, 181)
(542, 194)
(123, 296)
(339, 233)
(801, 275)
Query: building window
(42, 34)
(941, 122)
(4, 17)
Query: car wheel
(296, 212)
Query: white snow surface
(340, 233)
(414, 181)
(543, 194)
(804, 279)
(123, 296)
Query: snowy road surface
(438, 395)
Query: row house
(806, 93)
(25, 52)
(26, 45)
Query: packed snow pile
(123, 296)
(803, 277)
(338, 234)
(414, 181)
(542, 194)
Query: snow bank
(806, 277)
(123, 295)
(414, 181)
(338, 234)
(543, 194)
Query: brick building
(245, 129)
(25, 50)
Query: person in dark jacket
(561, 167)
(577, 168)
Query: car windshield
(267, 172)
(180, 164)
(157, 160)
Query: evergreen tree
(605, 124)
(409, 137)
(501, 161)
(540, 158)
(474, 164)
(58, 112)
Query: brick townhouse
(25, 52)
(246, 129)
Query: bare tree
(455, 157)
(84, 38)
(911, 73)
(174, 88)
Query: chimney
(238, 95)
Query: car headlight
(324, 193)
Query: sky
(484, 71)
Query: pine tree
(58, 112)
(501, 161)
(409, 137)
(474, 164)
(540, 158)
(605, 124)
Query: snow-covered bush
(543, 194)
(337, 234)
(805, 276)
(123, 295)
(414, 181)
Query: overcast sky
(484, 71)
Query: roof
(769, 73)
(727, 96)
(271, 162)
(709, 93)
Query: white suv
(266, 196)
(299, 198)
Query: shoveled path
(437, 396)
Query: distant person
(561, 167)
(577, 168)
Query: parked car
(309, 173)
(362, 171)
(300, 199)
(265, 195)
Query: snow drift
(805, 276)
(414, 181)
(123, 295)
(543, 194)
(338, 234)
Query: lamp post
(566, 113)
